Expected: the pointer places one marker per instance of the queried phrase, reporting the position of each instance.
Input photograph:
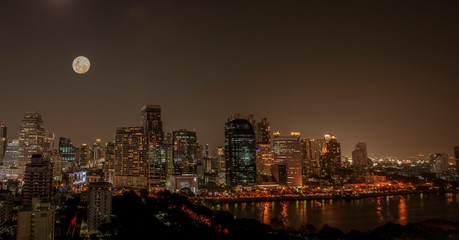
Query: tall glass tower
(240, 153)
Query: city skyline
(379, 73)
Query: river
(359, 214)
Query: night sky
(382, 72)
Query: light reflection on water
(359, 214)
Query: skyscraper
(263, 131)
(360, 156)
(66, 149)
(130, 157)
(456, 155)
(330, 158)
(99, 205)
(310, 152)
(38, 180)
(3, 140)
(152, 124)
(439, 162)
(287, 151)
(32, 136)
(185, 152)
(240, 153)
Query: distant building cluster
(146, 157)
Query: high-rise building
(152, 124)
(99, 205)
(36, 222)
(330, 158)
(287, 151)
(221, 166)
(38, 180)
(360, 156)
(240, 153)
(84, 156)
(6, 209)
(263, 131)
(310, 153)
(66, 149)
(3, 140)
(456, 156)
(130, 157)
(32, 136)
(265, 159)
(439, 162)
(109, 162)
(96, 155)
(11, 154)
(185, 152)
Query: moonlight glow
(81, 65)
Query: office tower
(130, 158)
(265, 159)
(36, 222)
(263, 131)
(31, 139)
(11, 154)
(185, 152)
(56, 160)
(109, 162)
(240, 153)
(85, 156)
(330, 158)
(310, 152)
(360, 156)
(6, 209)
(66, 149)
(99, 205)
(38, 180)
(152, 124)
(287, 151)
(3, 140)
(96, 154)
(279, 173)
(158, 164)
(439, 162)
(456, 155)
(48, 142)
(221, 166)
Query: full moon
(81, 65)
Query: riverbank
(214, 201)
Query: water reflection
(379, 209)
(364, 214)
(402, 211)
(284, 213)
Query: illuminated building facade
(32, 136)
(185, 152)
(3, 141)
(456, 156)
(360, 156)
(240, 153)
(99, 205)
(310, 153)
(263, 131)
(66, 149)
(130, 157)
(38, 180)
(151, 123)
(330, 158)
(287, 151)
(439, 162)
